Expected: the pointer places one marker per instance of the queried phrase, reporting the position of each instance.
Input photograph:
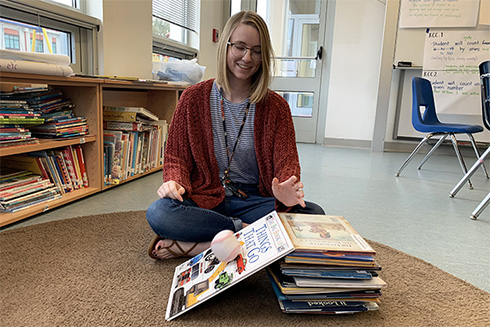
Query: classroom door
(297, 30)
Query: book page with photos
(204, 276)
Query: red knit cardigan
(189, 154)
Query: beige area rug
(94, 271)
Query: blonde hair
(262, 78)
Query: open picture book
(261, 243)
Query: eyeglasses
(239, 50)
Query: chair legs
(480, 162)
(439, 142)
(470, 173)
(460, 157)
(414, 152)
(432, 150)
(476, 213)
(477, 153)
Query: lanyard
(226, 177)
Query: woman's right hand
(171, 189)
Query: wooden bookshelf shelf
(89, 96)
(8, 218)
(45, 144)
(132, 178)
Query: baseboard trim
(446, 148)
(404, 146)
(345, 143)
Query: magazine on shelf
(204, 276)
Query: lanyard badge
(233, 188)
(228, 184)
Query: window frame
(188, 49)
(82, 28)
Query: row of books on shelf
(41, 176)
(30, 113)
(317, 264)
(134, 142)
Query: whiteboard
(410, 46)
(410, 43)
(451, 60)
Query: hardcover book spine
(81, 161)
(68, 159)
(120, 116)
(64, 171)
(77, 167)
(47, 165)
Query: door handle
(319, 53)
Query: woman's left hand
(289, 192)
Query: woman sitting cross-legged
(231, 154)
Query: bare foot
(169, 249)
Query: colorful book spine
(81, 162)
(70, 166)
(64, 171)
(56, 172)
(77, 167)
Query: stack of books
(317, 264)
(140, 116)
(21, 189)
(331, 271)
(58, 119)
(15, 118)
(134, 140)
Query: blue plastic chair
(485, 101)
(424, 119)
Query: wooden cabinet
(89, 96)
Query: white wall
(125, 41)
(354, 71)
(212, 16)
(127, 38)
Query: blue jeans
(186, 221)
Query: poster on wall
(451, 60)
(438, 13)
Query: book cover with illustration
(324, 233)
(204, 276)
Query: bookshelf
(89, 96)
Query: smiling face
(240, 69)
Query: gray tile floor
(412, 213)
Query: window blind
(183, 13)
